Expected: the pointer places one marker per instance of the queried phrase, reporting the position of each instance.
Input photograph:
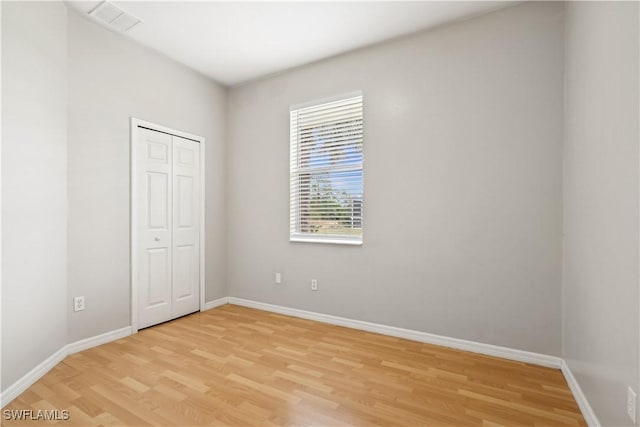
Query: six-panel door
(167, 197)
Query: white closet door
(154, 202)
(186, 226)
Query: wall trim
(456, 343)
(27, 380)
(97, 340)
(581, 399)
(425, 337)
(15, 389)
(215, 303)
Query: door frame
(135, 122)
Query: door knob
(157, 239)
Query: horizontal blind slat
(335, 126)
(309, 123)
(326, 116)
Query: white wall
(463, 148)
(110, 79)
(600, 290)
(34, 184)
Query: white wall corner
(581, 399)
(27, 380)
(215, 303)
(97, 340)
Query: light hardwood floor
(238, 366)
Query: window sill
(325, 240)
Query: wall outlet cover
(78, 303)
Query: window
(326, 171)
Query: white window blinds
(326, 172)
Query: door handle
(157, 239)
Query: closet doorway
(167, 224)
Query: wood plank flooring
(243, 367)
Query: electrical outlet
(278, 278)
(632, 398)
(78, 303)
(314, 285)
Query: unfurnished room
(308, 213)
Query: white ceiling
(233, 42)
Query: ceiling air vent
(114, 17)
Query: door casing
(134, 213)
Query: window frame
(294, 235)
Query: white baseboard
(39, 371)
(216, 303)
(586, 409)
(15, 389)
(91, 342)
(459, 344)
